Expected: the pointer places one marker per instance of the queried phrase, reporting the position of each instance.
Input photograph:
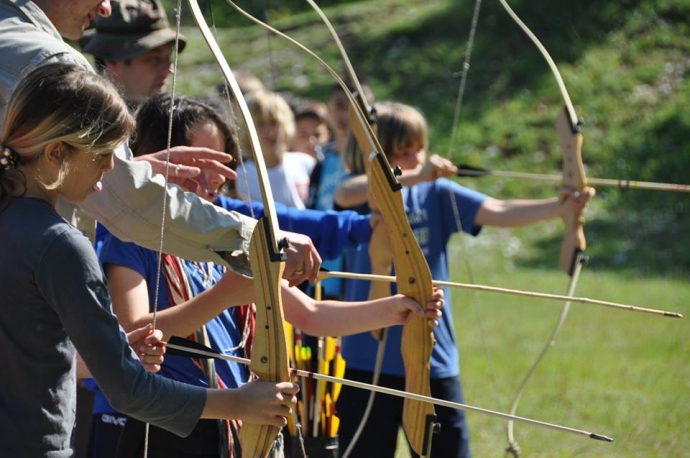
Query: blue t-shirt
(429, 210)
(224, 330)
(332, 172)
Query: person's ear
(111, 66)
(54, 153)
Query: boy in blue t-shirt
(429, 201)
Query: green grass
(613, 372)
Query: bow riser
(413, 278)
(414, 281)
(269, 348)
(574, 243)
(412, 273)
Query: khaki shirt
(131, 202)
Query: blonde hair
(398, 126)
(61, 102)
(268, 107)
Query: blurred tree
(225, 16)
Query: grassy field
(622, 374)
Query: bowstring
(454, 205)
(167, 157)
(159, 254)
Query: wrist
(222, 404)
(399, 308)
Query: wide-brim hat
(134, 28)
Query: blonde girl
(62, 125)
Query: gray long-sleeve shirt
(131, 202)
(53, 298)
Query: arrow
(183, 347)
(514, 292)
(465, 170)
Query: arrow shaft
(617, 183)
(401, 394)
(514, 292)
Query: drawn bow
(269, 353)
(413, 276)
(412, 272)
(572, 256)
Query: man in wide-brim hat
(133, 47)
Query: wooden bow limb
(465, 170)
(359, 130)
(514, 292)
(269, 350)
(184, 347)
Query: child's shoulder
(114, 249)
(443, 189)
(434, 187)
